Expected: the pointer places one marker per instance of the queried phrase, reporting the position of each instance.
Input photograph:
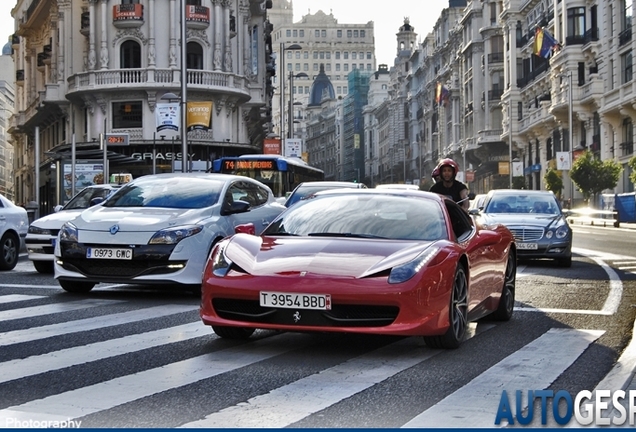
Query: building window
(345, 55)
(369, 55)
(363, 33)
(297, 67)
(127, 115)
(339, 33)
(337, 67)
(315, 67)
(576, 22)
(288, 33)
(346, 67)
(626, 66)
(323, 33)
(354, 55)
(321, 54)
(302, 33)
(328, 55)
(306, 67)
(349, 33)
(328, 67)
(298, 54)
(355, 33)
(315, 55)
(194, 60)
(289, 66)
(130, 55)
(626, 18)
(337, 55)
(317, 33)
(305, 55)
(368, 66)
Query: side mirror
(247, 228)
(95, 201)
(57, 208)
(237, 206)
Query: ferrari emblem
(296, 316)
(303, 273)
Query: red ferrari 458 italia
(377, 261)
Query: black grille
(340, 315)
(119, 268)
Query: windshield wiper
(333, 234)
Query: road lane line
(535, 366)
(94, 323)
(109, 394)
(20, 368)
(37, 311)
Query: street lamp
(290, 114)
(283, 48)
(184, 82)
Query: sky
(387, 16)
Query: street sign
(121, 139)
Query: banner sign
(563, 161)
(167, 116)
(199, 115)
(271, 146)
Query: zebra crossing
(277, 389)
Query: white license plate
(295, 300)
(109, 253)
(527, 246)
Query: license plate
(295, 300)
(527, 246)
(109, 253)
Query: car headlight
(220, 263)
(406, 271)
(40, 231)
(562, 232)
(175, 235)
(68, 233)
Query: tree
(592, 176)
(632, 165)
(553, 181)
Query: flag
(441, 94)
(544, 43)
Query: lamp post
(283, 48)
(570, 136)
(290, 114)
(184, 82)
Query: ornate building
(92, 67)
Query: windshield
(376, 216)
(539, 204)
(83, 199)
(170, 192)
(272, 179)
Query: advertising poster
(167, 116)
(199, 115)
(87, 173)
(563, 161)
(271, 146)
(293, 147)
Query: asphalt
(623, 374)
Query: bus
(281, 174)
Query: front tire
(233, 332)
(507, 299)
(9, 251)
(75, 286)
(457, 314)
(45, 267)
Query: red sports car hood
(345, 257)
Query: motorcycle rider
(448, 185)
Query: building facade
(85, 69)
(7, 98)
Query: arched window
(130, 55)
(194, 59)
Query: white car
(14, 223)
(401, 186)
(40, 239)
(159, 229)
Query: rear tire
(507, 300)
(75, 286)
(9, 251)
(457, 314)
(233, 332)
(45, 267)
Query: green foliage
(592, 176)
(632, 165)
(553, 181)
(519, 183)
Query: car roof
(201, 175)
(521, 192)
(330, 183)
(385, 191)
(402, 186)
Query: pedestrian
(448, 185)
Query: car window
(383, 216)
(540, 204)
(168, 192)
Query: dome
(6, 49)
(321, 88)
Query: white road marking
(10, 298)
(20, 368)
(109, 394)
(295, 401)
(36, 311)
(534, 366)
(87, 324)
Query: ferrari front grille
(340, 315)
